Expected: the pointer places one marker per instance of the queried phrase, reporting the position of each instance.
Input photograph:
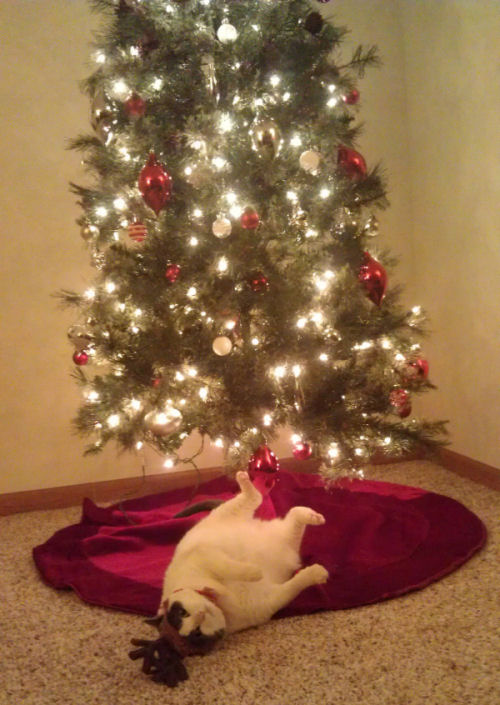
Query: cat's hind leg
(244, 504)
(295, 522)
(282, 593)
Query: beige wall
(451, 65)
(44, 47)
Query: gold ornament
(266, 138)
(309, 160)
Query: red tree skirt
(380, 540)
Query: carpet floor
(437, 646)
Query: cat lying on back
(232, 571)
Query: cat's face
(196, 618)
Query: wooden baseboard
(472, 469)
(133, 487)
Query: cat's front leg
(281, 594)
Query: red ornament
(155, 184)
(135, 106)
(262, 468)
(249, 219)
(418, 369)
(400, 400)
(172, 272)
(302, 451)
(373, 277)
(352, 163)
(156, 381)
(80, 357)
(352, 97)
(137, 232)
(258, 282)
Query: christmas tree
(240, 287)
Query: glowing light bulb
(110, 287)
(169, 463)
(192, 371)
(275, 80)
(301, 322)
(193, 241)
(219, 443)
(203, 393)
(135, 404)
(267, 419)
(324, 193)
(286, 97)
(332, 102)
(323, 357)
(255, 342)
(311, 233)
(89, 293)
(113, 421)
(222, 265)
(139, 445)
(297, 370)
(120, 204)
(296, 141)
(279, 371)
(333, 451)
(101, 212)
(295, 438)
(191, 292)
(226, 123)
(197, 212)
(179, 376)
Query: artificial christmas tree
(239, 288)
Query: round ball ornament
(258, 282)
(221, 227)
(249, 219)
(352, 163)
(302, 451)
(351, 98)
(163, 423)
(155, 184)
(172, 273)
(417, 369)
(135, 106)
(88, 232)
(309, 160)
(137, 232)
(227, 33)
(314, 23)
(400, 400)
(222, 345)
(373, 277)
(263, 467)
(266, 138)
(80, 357)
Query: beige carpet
(440, 645)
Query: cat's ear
(210, 593)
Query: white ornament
(222, 345)
(227, 33)
(221, 227)
(310, 160)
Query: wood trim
(132, 487)
(472, 469)
(102, 492)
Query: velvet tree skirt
(380, 541)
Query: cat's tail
(204, 506)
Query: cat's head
(195, 617)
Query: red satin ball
(400, 400)
(155, 184)
(262, 468)
(172, 272)
(373, 277)
(302, 451)
(80, 357)
(258, 282)
(351, 162)
(249, 219)
(135, 106)
(352, 97)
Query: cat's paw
(243, 479)
(306, 515)
(317, 573)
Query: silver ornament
(208, 68)
(227, 33)
(102, 117)
(221, 227)
(309, 160)
(88, 232)
(266, 137)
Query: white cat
(232, 571)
